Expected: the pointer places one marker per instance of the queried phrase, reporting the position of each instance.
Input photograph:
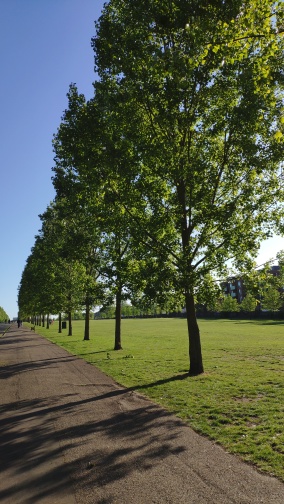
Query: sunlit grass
(238, 401)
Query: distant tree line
(3, 315)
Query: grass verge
(238, 401)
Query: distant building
(234, 287)
(275, 270)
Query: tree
(209, 293)
(3, 315)
(77, 146)
(262, 284)
(84, 148)
(229, 304)
(272, 299)
(194, 91)
(53, 280)
(69, 273)
(36, 295)
(249, 303)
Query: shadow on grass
(245, 322)
(146, 386)
(110, 349)
(259, 322)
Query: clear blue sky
(44, 45)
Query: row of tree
(172, 168)
(262, 290)
(3, 315)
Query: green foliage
(200, 133)
(53, 279)
(129, 310)
(78, 315)
(209, 293)
(249, 303)
(3, 315)
(107, 312)
(229, 304)
(197, 112)
(271, 299)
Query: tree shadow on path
(92, 453)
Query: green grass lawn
(238, 401)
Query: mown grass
(238, 401)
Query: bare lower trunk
(69, 324)
(47, 321)
(59, 323)
(87, 322)
(117, 342)
(195, 354)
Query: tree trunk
(195, 355)
(59, 323)
(47, 321)
(87, 321)
(117, 342)
(70, 323)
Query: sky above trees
(44, 47)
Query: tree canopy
(202, 83)
(3, 315)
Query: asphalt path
(70, 435)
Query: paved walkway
(69, 434)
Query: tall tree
(3, 315)
(194, 90)
(84, 152)
(36, 296)
(53, 279)
(77, 148)
(272, 299)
